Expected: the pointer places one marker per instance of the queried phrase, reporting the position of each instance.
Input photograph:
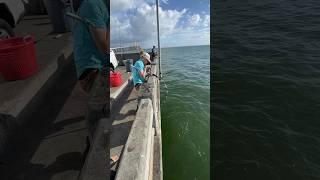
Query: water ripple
(266, 89)
(185, 112)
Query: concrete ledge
(122, 56)
(18, 97)
(135, 160)
(96, 166)
(15, 95)
(116, 94)
(157, 159)
(157, 152)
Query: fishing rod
(159, 47)
(158, 34)
(76, 17)
(148, 74)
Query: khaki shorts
(95, 86)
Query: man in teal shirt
(90, 39)
(91, 53)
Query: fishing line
(164, 82)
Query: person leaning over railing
(139, 71)
(91, 51)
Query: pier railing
(135, 48)
(137, 161)
(142, 154)
(141, 157)
(96, 165)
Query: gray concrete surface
(64, 146)
(157, 151)
(18, 97)
(49, 139)
(126, 168)
(125, 88)
(134, 162)
(126, 79)
(52, 144)
(96, 164)
(123, 116)
(15, 95)
(120, 57)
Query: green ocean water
(185, 95)
(266, 95)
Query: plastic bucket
(18, 58)
(115, 79)
(128, 63)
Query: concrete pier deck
(141, 154)
(46, 117)
(51, 54)
(42, 129)
(115, 92)
(52, 144)
(123, 117)
(18, 98)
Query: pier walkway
(46, 136)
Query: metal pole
(158, 30)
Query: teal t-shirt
(138, 66)
(86, 54)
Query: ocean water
(185, 112)
(266, 90)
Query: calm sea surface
(266, 90)
(185, 112)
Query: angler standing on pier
(91, 52)
(140, 71)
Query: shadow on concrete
(42, 24)
(120, 133)
(64, 162)
(121, 116)
(58, 126)
(39, 123)
(65, 133)
(33, 17)
(133, 99)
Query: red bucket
(18, 58)
(115, 79)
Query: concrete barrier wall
(121, 57)
(136, 157)
(157, 152)
(96, 166)
(15, 117)
(142, 155)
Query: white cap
(146, 55)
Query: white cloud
(206, 21)
(194, 20)
(165, 1)
(135, 21)
(121, 5)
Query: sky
(182, 23)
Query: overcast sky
(182, 22)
